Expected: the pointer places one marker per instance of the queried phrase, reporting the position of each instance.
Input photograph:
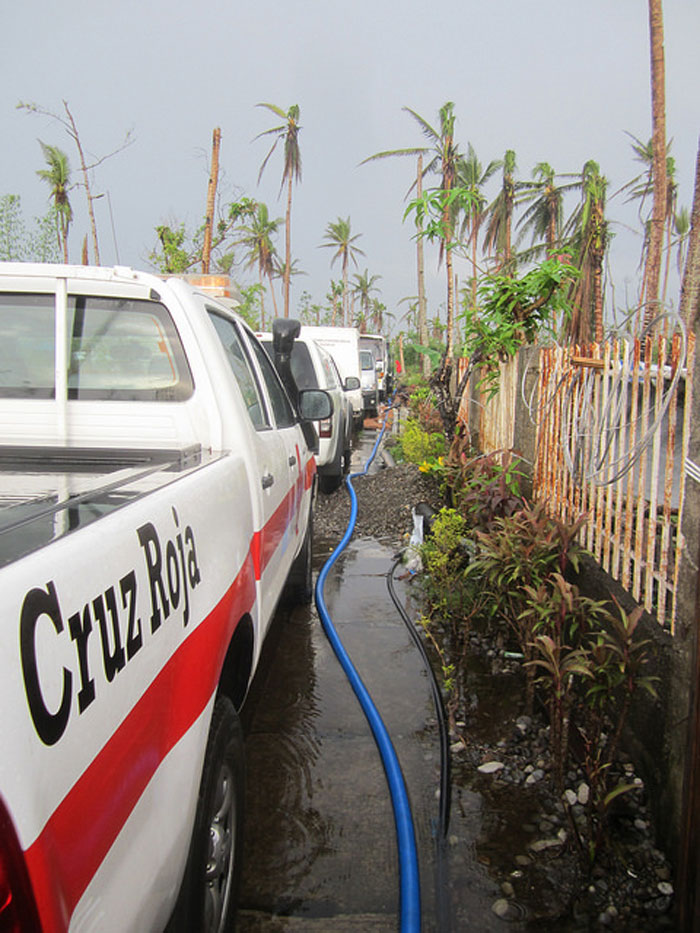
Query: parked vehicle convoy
(157, 494)
(343, 344)
(314, 368)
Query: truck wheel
(299, 590)
(329, 481)
(209, 891)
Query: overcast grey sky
(555, 80)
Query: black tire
(209, 892)
(299, 589)
(331, 478)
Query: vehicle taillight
(325, 428)
(18, 913)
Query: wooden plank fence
(612, 425)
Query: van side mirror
(351, 383)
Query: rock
(536, 776)
(490, 767)
(541, 845)
(501, 908)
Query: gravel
(385, 501)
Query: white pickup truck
(156, 492)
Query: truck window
(281, 406)
(241, 368)
(366, 359)
(117, 349)
(124, 349)
(26, 346)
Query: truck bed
(46, 493)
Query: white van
(370, 389)
(343, 344)
(378, 344)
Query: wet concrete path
(320, 843)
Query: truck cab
(157, 493)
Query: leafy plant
(483, 487)
(561, 665)
(420, 446)
(511, 313)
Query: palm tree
(288, 131)
(378, 315)
(588, 230)
(498, 235)
(640, 189)
(334, 293)
(57, 177)
(279, 268)
(363, 287)
(658, 122)
(339, 237)
(442, 156)
(690, 285)
(681, 227)
(257, 237)
(544, 218)
(473, 176)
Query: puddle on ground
(320, 841)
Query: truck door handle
(292, 460)
(267, 480)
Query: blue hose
(409, 881)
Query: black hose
(443, 909)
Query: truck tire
(209, 892)
(299, 589)
(332, 477)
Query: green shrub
(420, 446)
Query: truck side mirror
(315, 404)
(351, 383)
(284, 332)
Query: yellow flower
(424, 467)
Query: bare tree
(68, 123)
(652, 270)
(211, 200)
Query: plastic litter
(414, 563)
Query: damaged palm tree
(511, 313)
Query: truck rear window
(117, 349)
(302, 366)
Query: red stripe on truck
(71, 847)
(266, 541)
